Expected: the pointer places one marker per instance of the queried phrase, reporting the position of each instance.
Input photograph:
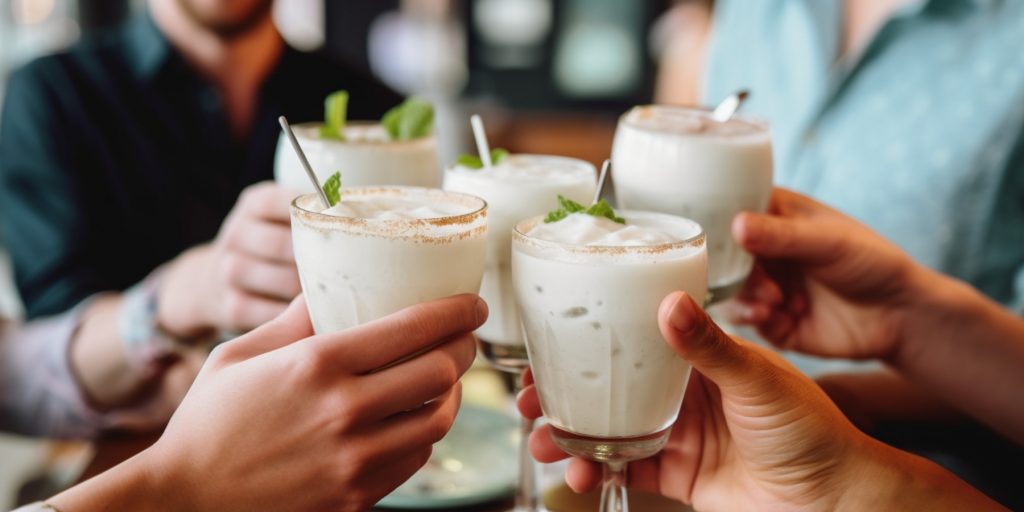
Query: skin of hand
(755, 434)
(282, 419)
(827, 285)
(242, 279)
(860, 285)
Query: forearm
(968, 350)
(885, 478)
(131, 485)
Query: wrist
(881, 477)
(136, 484)
(933, 303)
(178, 309)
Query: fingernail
(684, 314)
(481, 311)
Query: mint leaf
(335, 110)
(498, 155)
(332, 188)
(603, 209)
(467, 160)
(569, 207)
(413, 119)
(470, 161)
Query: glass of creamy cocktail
(379, 250)
(680, 161)
(516, 187)
(588, 288)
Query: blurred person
(122, 168)
(375, 398)
(754, 433)
(906, 114)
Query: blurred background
(533, 68)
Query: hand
(823, 284)
(752, 431)
(280, 419)
(245, 277)
(755, 434)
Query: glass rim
(697, 240)
(300, 128)
(758, 122)
(479, 209)
(578, 161)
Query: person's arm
(359, 431)
(829, 286)
(877, 397)
(962, 346)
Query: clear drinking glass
(679, 161)
(355, 270)
(366, 155)
(520, 187)
(607, 382)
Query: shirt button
(809, 137)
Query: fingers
(543, 447)
(266, 240)
(288, 327)
(583, 475)
(266, 200)
(695, 337)
(387, 440)
(528, 402)
(414, 382)
(261, 277)
(389, 339)
(768, 236)
(243, 311)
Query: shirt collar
(148, 49)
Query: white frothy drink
(679, 161)
(520, 187)
(380, 250)
(589, 291)
(367, 156)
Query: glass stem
(613, 491)
(526, 490)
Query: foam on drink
(382, 249)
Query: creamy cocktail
(589, 289)
(398, 150)
(680, 161)
(515, 188)
(379, 250)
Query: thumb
(691, 333)
(290, 326)
(769, 236)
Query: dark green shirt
(116, 156)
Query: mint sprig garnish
(332, 188)
(413, 119)
(335, 110)
(498, 155)
(569, 207)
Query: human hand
(823, 284)
(752, 432)
(242, 279)
(280, 419)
